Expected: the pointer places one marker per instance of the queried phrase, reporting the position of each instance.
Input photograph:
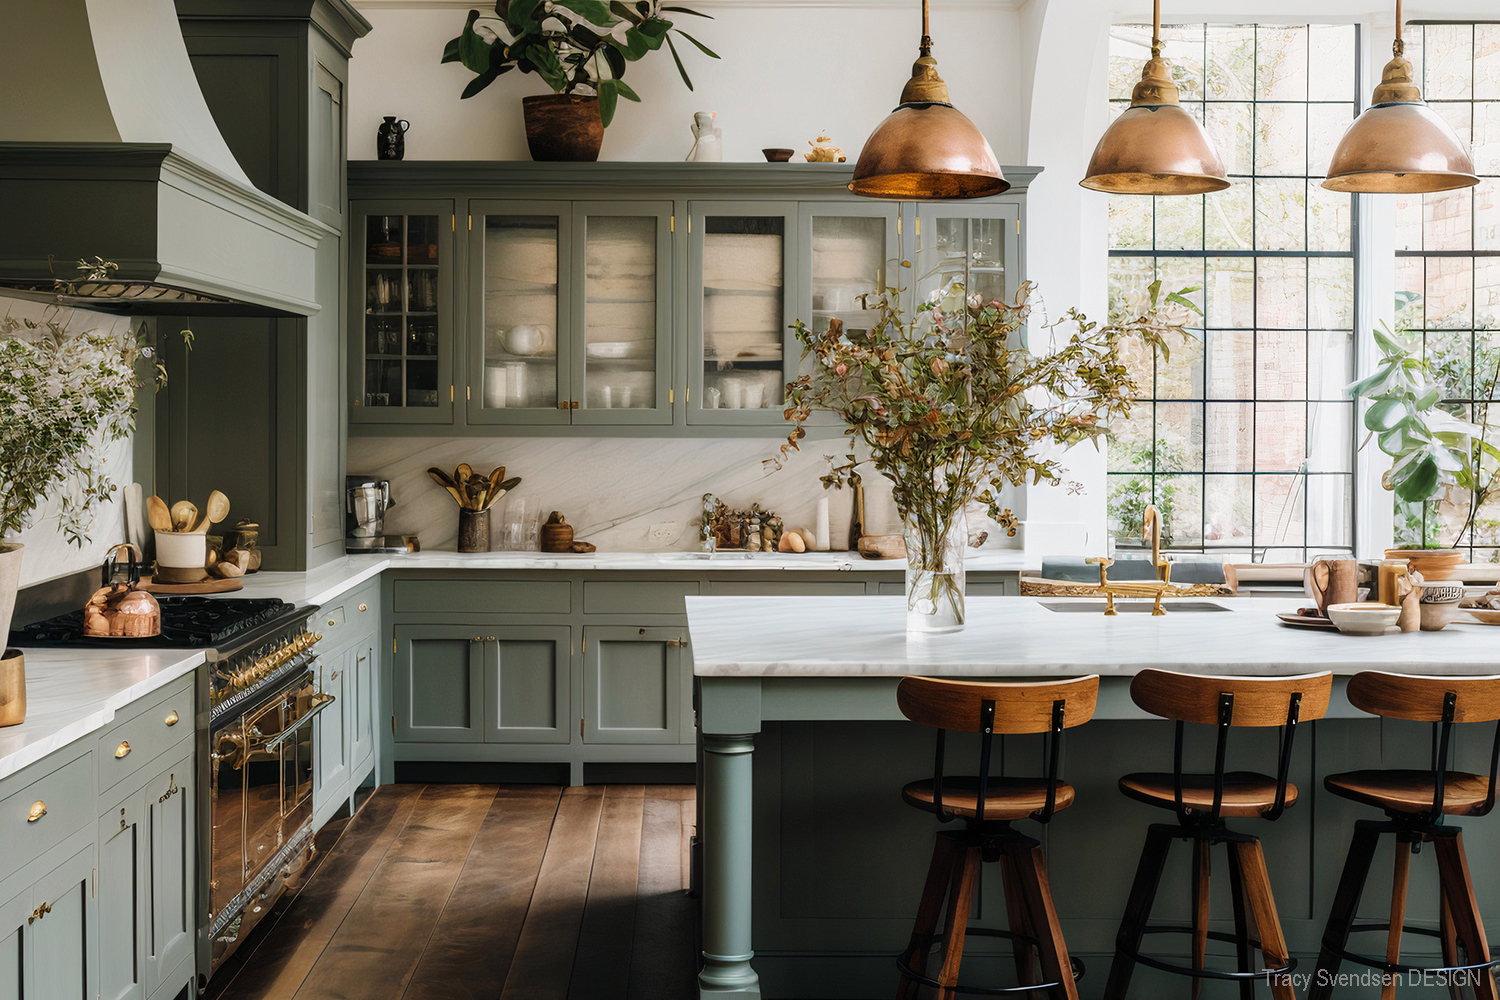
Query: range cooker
(257, 696)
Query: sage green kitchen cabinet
(526, 683)
(363, 699)
(332, 727)
(637, 684)
(57, 952)
(123, 868)
(852, 253)
(439, 690)
(976, 244)
(13, 914)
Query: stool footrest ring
(1402, 967)
(1185, 970)
(925, 941)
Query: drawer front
(350, 616)
(62, 803)
(482, 597)
(636, 597)
(788, 588)
(137, 741)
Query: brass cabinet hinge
(393, 725)
(471, 223)
(94, 884)
(580, 729)
(393, 645)
(673, 224)
(450, 394)
(919, 225)
(898, 225)
(452, 223)
(1018, 227)
(671, 395)
(468, 392)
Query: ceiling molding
(719, 4)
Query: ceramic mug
(1333, 581)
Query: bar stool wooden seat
(1202, 802)
(988, 805)
(1415, 802)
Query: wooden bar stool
(988, 805)
(1202, 802)
(1415, 802)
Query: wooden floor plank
(664, 961)
(375, 950)
(470, 953)
(543, 959)
(689, 830)
(601, 967)
(278, 967)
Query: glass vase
(935, 575)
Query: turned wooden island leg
(727, 814)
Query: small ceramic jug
(708, 145)
(390, 138)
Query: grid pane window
(1448, 273)
(1244, 438)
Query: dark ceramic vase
(390, 138)
(473, 530)
(563, 127)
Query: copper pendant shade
(926, 149)
(1399, 145)
(1155, 147)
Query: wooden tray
(213, 585)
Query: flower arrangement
(576, 46)
(952, 405)
(61, 396)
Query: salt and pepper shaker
(820, 530)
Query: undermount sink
(1131, 606)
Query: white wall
(790, 69)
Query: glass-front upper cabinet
(740, 308)
(402, 302)
(852, 253)
(518, 320)
(977, 246)
(622, 313)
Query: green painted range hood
(107, 149)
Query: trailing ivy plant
(576, 46)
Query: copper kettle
(122, 609)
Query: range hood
(108, 150)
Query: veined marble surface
(1018, 636)
(71, 693)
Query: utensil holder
(181, 556)
(473, 530)
(12, 688)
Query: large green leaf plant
(576, 46)
(1431, 448)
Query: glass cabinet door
(739, 311)
(852, 254)
(402, 299)
(977, 246)
(622, 313)
(519, 287)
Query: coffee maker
(366, 500)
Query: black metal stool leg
(1138, 909)
(1345, 903)
(1244, 952)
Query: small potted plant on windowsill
(581, 49)
(1434, 451)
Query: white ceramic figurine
(708, 146)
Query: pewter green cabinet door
(332, 735)
(60, 953)
(634, 684)
(976, 246)
(122, 900)
(359, 689)
(13, 914)
(439, 675)
(170, 802)
(527, 690)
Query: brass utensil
(446, 482)
(496, 492)
(157, 514)
(184, 515)
(216, 511)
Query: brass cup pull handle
(122, 750)
(39, 913)
(38, 810)
(172, 719)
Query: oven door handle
(323, 701)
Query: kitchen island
(812, 865)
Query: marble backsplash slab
(614, 490)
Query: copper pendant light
(1155, 147)
(926, 149)
(1399, 145)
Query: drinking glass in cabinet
(520, 311)
(619, 328)
(401, 310)
(848, 271)
(383, 239)
(743, 289)
(967, 251)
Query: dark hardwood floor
(463, 892)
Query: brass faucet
(1151, 532)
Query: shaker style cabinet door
(401, 312)
(634, 680)
(332, 736)
(171, 805)
(61, 953)
(978, 246)
(439, 683)
(360, 690)
(622, 312)
(517, 324)
(123, 874)
(526, 684)
(13, 914)
(741, 302)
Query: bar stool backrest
(1227, 702)
(1004, 707)
(1441, 701)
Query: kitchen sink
(1131, 606)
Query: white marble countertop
(71, 693)
(852, 636)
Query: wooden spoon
(184, 515)
(157, 514)
(216, 511)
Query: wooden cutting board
(213, 585)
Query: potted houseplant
(1433, 451)
(581, 49)
(952, 404)
(62, 396)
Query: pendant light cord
(1156, 28)
(926, 44)
(1398, 47)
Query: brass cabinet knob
(38, 810)
(173, 718)
(364, 607)
(122, 749)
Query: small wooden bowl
(557, 538)
(777, 155)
